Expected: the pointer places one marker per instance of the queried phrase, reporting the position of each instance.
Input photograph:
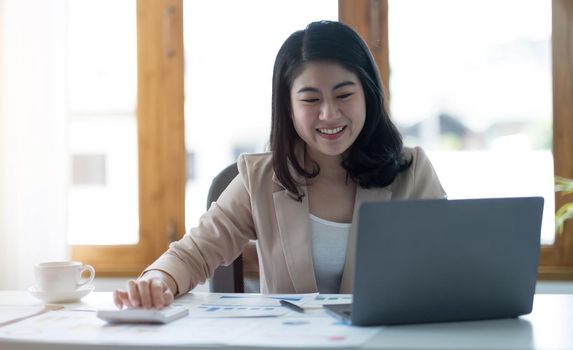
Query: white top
(329, 241)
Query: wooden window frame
(161, 143)
(369, 18)
(556, 260)
(161, 128)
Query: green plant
(564, 213)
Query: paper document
(305, 331)
(9, 313)
(323, 299)
(217, 305)
(286, 331)
(314, 305)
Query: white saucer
(61, 297)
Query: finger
(124, 299)
(157, 286)
(144, 293)
(117, 298)
(168, 297)
(133, 291)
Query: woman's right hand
(150, 291)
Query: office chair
(243, 274)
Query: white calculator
(136, 315)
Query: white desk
(549, 326)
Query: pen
(291, 306)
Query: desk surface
(547, 327)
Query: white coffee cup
(62, 276)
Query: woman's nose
(328, 111)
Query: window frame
(161, 144)
(161, 129)
(556, 260)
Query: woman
(333, 146)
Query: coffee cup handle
(90, 278)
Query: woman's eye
(343, 96)
(310, 100)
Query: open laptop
(444, 260)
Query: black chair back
(226, 279)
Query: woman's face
(328, 108)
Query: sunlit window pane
(102, 91)
(471, 83)
(230, 47)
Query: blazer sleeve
(426, 182)
(220, 237)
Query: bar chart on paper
(248, 305)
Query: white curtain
(33, 151)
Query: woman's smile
(331, 133)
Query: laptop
(444, 260)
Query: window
(143, 159)
(477, 98)
(228, 78)
(161, 134)
(102, 127)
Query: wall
(33, 142)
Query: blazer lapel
(362, 195)
(292, 220)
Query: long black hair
(375, 157)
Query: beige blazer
(255, 206)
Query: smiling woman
(274, 206)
